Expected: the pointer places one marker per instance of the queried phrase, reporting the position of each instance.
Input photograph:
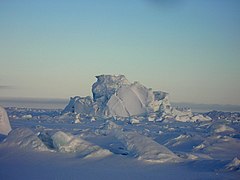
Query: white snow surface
(5, 126)
(51, 146)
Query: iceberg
(115, 96)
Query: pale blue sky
(189, 48)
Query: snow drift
(142, 147)
(67, 143)
(24, 138)
(115, 96)
(5, 126)
(215, 146)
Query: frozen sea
(46, 144)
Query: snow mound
(142, 147)
(200, 117)
(27, 117)
(218, 147)
(134, 121)
(186, 115)
(197, 156)
(223, 128)
(5, 126)
(24, 138)
(67, 143)
(234, 165)
(178, 140)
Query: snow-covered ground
(125, 131)
(45, 144)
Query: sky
(188, 48)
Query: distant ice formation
(115, 96)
